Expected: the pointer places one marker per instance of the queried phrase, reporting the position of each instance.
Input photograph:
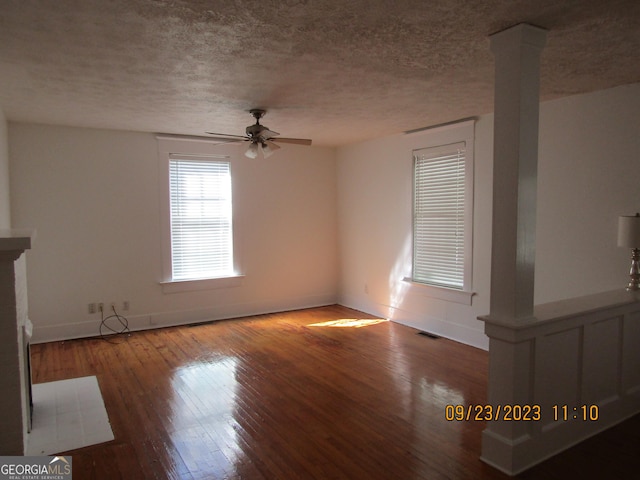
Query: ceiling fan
(260, 138)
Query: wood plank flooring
(284, 396)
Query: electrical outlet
(101, 307)
(92, 308)
(125, 305)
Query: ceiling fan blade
(226, 136)
(297, 141)
(267, 134)
(222, 140)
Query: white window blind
(201, 219)
(439, 216)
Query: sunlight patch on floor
(350, 322)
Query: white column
(517, 56)
(515, 162)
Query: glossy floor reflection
(201, 422)
(279, 397)
(275, 397)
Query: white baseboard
(453, 331)
(85, 329)
(516, 457)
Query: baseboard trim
(514, 458)
(453, 331)
(87, 329)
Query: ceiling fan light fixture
(252, 151)
(268, 148)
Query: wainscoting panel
(601, 362)
(584, 375)
(558, 373)
(630, 357)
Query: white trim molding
(204, 284)
(441, 293)
(196, 147)
(571, 358)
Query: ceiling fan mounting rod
(257, 113)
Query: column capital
(517, 36)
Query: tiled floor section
(67, 414)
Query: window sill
(441, 293)
(177, 286)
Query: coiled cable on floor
(113, 325)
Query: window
(199, 248)
(201, 220)
(442, 214)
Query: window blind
(439, 216)
(201, 219)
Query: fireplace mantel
(15, 240)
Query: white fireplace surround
(14, 330)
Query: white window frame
(434, 138)
(172, 147)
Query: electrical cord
(106, 330)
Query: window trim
(462, 131)
(170, 146)
(177, 286)
(441, 293)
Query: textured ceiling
(336, 71)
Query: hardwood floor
(283, 396)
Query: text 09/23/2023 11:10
(517, 413)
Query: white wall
(93, 196)
(375, 207)
(588, 176)
(5, 205)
